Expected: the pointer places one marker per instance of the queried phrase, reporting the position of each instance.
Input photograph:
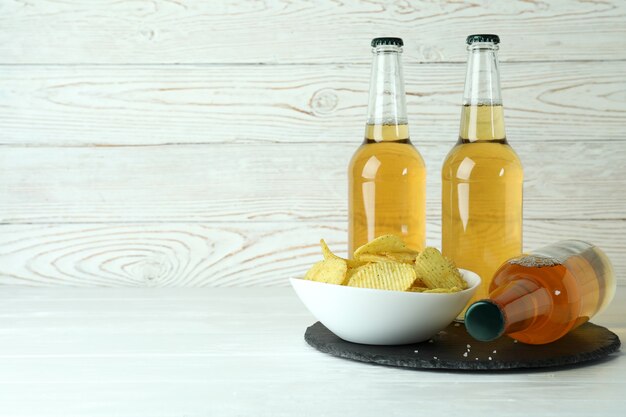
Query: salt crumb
(514, 340)
(431, 341)
(434, 357)
(494, 351)
(476, 358)
(416, 351)
(457, 324)
(465, 355)
(557, 292)
(468, 346)
(489, 357)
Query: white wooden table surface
(189, 352)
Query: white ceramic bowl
(378, 317)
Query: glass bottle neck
(482, 117)
(386, 111)
(523, 302)
(511, 308)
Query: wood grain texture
(124, 105)
(272, 182)
(167, 142)
(271, 31)
(218, 255)
(167, 352)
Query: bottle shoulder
(387, 158)
(482, 160)
(388, 152)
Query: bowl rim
(409, 293)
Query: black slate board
(446, 350)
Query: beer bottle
(387, 175)
(482, 175)
(538, 298)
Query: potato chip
(418, 282)
(442, 290)
(386, 263)
(370, 257)
(352, 271)
(436, 271)
(418, 289)
(406, 257)
(354, 263)
(329, 271)
(328, 254)
(385, 243)
(384, 276)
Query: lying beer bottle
(538, 298)
(387, 175)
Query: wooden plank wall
(157, 143)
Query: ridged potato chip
(405, 257)
(384, 276)
(436, 271)
(328, 254)
(385, 243)
(370, 257)
(329, 271)
(442, 290)
(351, 272)
(386, 263)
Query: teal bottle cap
(484, 321)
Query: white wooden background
(205, 143)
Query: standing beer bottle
(482, 175)
(538, 298)
(387, 176)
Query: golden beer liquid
(543, 300)
(482, 196)
(387, 188)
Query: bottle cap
(482, 37)
(387, 41)
(484, 321)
